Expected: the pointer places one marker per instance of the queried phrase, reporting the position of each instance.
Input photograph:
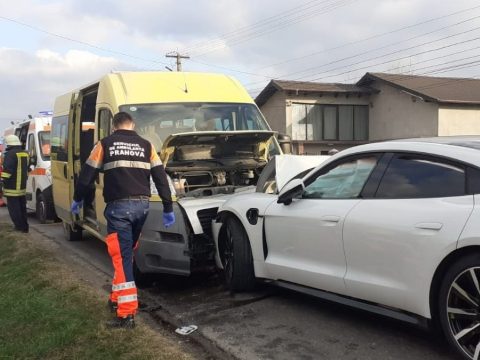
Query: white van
(34, 134)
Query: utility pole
(179, 57)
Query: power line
(288, 22)
(380, 48)
(229, 69)
(80, 41)
(389, 54)
(369, 38)
(423, 61)
(259, 24)
(397, 59)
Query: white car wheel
(460, 306)
(236, 256)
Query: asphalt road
(268, 324)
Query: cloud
(30, 82)
(147, 29)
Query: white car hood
(288, 166)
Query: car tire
(237, 257)
(41, 209)
(44, 209)
(73, 233)
(459, 306)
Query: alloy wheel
(463, 311)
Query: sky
(50, 47)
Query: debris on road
(186, 330)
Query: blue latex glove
(168, 219)
(76, 206)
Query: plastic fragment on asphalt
(186, 330)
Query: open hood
(289, 166)
(214, 144)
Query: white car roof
(463, 148)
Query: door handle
(65, 170)
(429, 226)
(330, 220)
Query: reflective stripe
(9, 192)
(6, 175)
(19, 169)
(94, 164)
(156, 162)
(127, 164)
(124, 286)
(126, 298)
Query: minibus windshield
(156, 122)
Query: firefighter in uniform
(14, 176)
(128, 161)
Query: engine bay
(204, 180)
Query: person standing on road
(14, 176)
(128, 161)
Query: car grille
(206, 216)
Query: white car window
(410, 176)
(344, 181)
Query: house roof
(436, 89)
(308, 87)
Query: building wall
(458, 120)
(395, 114)
(274, 112)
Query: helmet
(12, 140)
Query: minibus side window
(59, 140)
(104, 123)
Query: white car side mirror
(292, 190)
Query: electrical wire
(81, 42)
(255, 34)
(376, 49)
(356, 42)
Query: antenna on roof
(185, 81)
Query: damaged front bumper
(184, 247)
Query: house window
(329, 122)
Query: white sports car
(390, 227)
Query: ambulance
(34, 134)
(212, 140)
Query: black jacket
(127, 160)
(15, 171)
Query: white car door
(304, 238)
(395, 240)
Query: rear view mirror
(285, 142)
(294, 189)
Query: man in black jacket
(128, 161)
(14, 176)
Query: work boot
(127, 322)
(113, 306)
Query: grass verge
(47, 313)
